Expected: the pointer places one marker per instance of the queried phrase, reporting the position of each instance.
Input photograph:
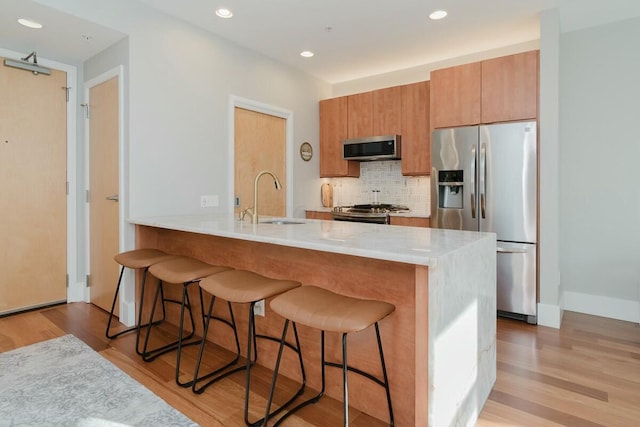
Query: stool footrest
(151, 355)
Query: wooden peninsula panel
(404, 332)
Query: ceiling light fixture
(224, 13)
(306, 53)
(438, 14)
(29, 23)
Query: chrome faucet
(253, 212)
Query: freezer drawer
(516, 277)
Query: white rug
(63, 382)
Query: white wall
(599, 173)
(181, 79)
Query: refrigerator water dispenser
(450, 189)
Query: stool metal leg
(250, 363)
(384, 375)
(113, 306)
(151, 321)
(149, 355)
(186, 303)
(345, 378)
(345, 369)
(231, 323)
(301, 405)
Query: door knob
(113, 198)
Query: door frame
(259, 107)
(125, 234)
(74, 288)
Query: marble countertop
(412, 245)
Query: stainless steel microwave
(385, 147)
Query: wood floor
(585, 374)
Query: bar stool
(178, 270)
(244, 287)
(135, 259)
(330, 312)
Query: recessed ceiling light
(306, 53)
(438, 14)
(29, 23)
(224, 13)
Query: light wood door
(333, 130)
(33, 201)
(455, 96)
(416, 132)
(510, 87)
(260, 144)
(103, 189)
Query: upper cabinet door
(455, 96)
(387, 111)
(416, 131)
(360, 115)
(510, 88)
(333, 130)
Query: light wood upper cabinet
(360, 115)
(495, 90)
(416, 134)
(333, 130)
(387, 111)
(510, 87)
(455, 96)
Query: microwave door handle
(483, 178)
(473, 181)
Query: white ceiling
(366, 37)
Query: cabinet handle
(113, 198)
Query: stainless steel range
(372, 213)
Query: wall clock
(306, 151)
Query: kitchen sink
(282, 222)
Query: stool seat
(328, 311)
(141, 258)
(243, 286)
(181, 269)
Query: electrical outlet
(209, 201)
(258, 308)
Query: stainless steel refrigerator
(484, 178)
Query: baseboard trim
(598, 305)
(128, 313)
(549, 315)
(77, 292)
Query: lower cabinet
(411, 221)
(319, 215)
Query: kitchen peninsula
(440, 343)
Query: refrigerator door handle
(474, 159)
(482, 178)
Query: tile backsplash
(385, 176)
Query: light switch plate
(210, 201)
